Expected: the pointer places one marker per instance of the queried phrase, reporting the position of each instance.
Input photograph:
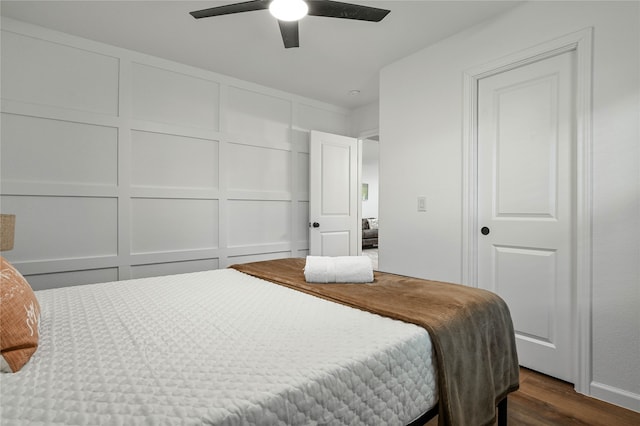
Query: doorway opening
(370, 166)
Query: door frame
(362, 136)
(581, 42)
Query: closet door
(526, 205)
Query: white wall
(120, 165)
(365, 120)
(421, 112)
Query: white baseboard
(616, 396)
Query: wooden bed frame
(501, 407)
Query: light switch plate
(422, 204)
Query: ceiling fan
(289, 12)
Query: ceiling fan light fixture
(288, 10)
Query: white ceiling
(335, 55)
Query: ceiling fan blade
(336, 9)
(246, 6)
(289, 31)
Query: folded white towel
(339, 269)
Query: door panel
(333, 195)
(334, 243)
(335, 161)
(525, 199)
(526, 148)
(525, 278)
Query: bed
(226, 347)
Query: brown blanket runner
(470, 328)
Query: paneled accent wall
(120, 165)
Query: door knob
(485, 230)
(316, 225)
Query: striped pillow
(19, 319)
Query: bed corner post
(502, 412)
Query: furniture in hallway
(369, 232)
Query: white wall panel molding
(300, 188)
(91, 84)
(300, 140)
(64, 279)
(58, 189)
(165, 96)
(301, 226)
(175, 193)
(12, 25)
(254, 114)
(163, 168)
(44, 150)
(170, 161)
(315, 117)
(175, 130)
(302, 176)
(124, 170)
(173, 256)
(251, 249)
(42, 267)
(168, 268)
(49, 228)
(171, 224)
(259, 169)
(12, 106)
(52, 36)
(223, 203)
(258, 257)
(299, 176)
(256, 141)
(240, 195)
(252, 222)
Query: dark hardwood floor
(545, 401)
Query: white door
(525, 206)
(333, 195)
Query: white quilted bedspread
(216, 347)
